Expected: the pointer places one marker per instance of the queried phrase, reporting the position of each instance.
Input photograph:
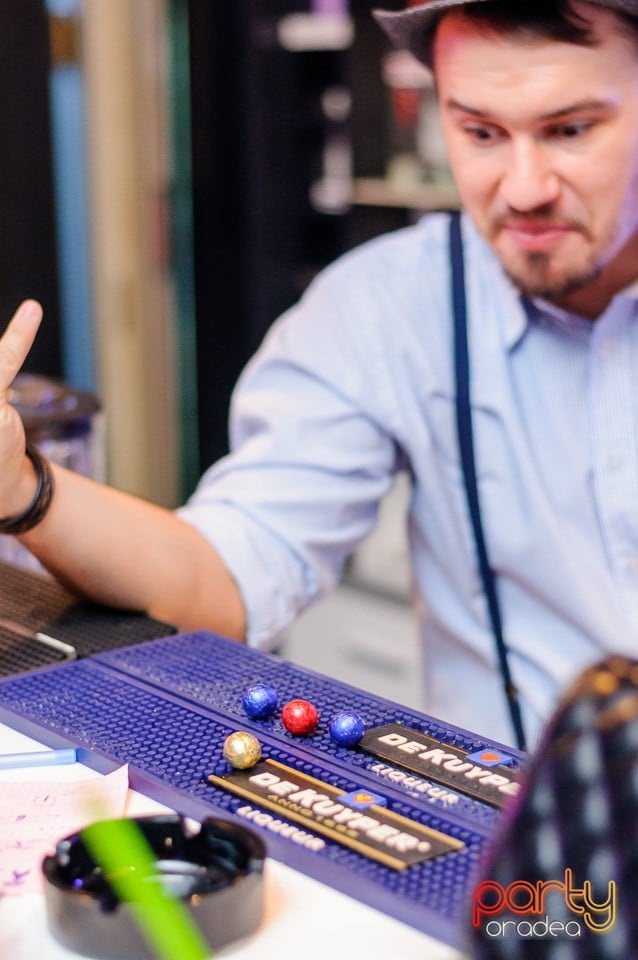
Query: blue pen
(39, 758)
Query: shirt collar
(517, 318)
(561, 318)
(564, 318)
(631, 291)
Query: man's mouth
(534, 235)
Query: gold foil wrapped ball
(242, 750)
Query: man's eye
(570, 131)
(481, 134)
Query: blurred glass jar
(67, 426)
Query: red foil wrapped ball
(299, 717)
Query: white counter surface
(303, 919)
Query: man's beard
(536, 280)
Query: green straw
(128, 863)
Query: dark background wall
(28, 265)
(257, 137)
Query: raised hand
(15, 344)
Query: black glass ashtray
(216, 872)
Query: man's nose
(530, 180)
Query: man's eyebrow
(579, 106)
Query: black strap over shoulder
(466, 447)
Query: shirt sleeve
(310, 457)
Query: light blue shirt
(356, 382)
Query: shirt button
(632, 565)
(615, 463)
(606, 350)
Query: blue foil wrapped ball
(346, 729)
(260, 701)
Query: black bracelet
(41, 502)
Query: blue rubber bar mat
(116, 708)
(175, 664)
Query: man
(540, 111)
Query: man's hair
(555, 20)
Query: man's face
(543, 141)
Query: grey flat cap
(410, 29)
